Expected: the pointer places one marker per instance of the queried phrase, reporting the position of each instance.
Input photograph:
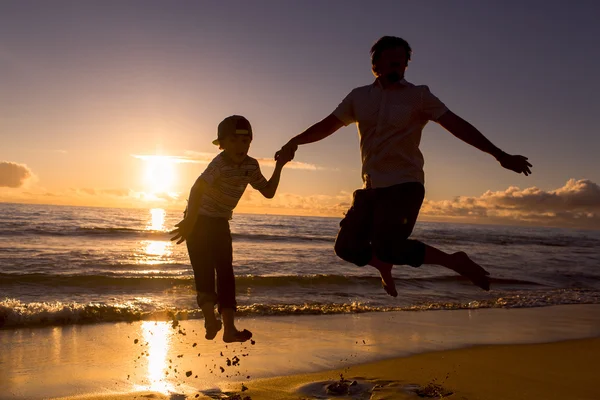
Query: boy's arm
(269, 190)
(316, 132)
(186, 225)
(469, 134)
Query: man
(391, 114)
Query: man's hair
(386, 43)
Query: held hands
(183, 230)
(518, 164)
(286, 154)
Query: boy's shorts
(379, 223)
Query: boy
(205, 226)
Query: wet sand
(559, 370)
(476, 354)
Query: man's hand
(519, 164)
(283, 157)
(287, 152)
(183, 230)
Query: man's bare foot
(461, 263)
(231, 336)
(387, 280)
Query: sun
(160, 174)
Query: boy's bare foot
(461, 263)
(236, 336)
(212, 328)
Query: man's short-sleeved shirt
(390, 122)
(227, 182)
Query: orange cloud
(289, 203)
(205, 158)
(13, 175)
(577, 203)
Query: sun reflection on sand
(158, 335)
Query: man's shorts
(379, 223)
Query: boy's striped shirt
(227, 182)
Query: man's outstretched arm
(469, 134)
(318, 131)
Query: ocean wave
(17, 314)
(435, 236)
(162, 281)
(100, 232)
(512, 239)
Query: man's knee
(353, 252)
(400, 252)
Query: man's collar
(401, 83)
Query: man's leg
(353, 241)
(458, 262)
(385, 271)
(396, 212)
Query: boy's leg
(230, 332)
(227, 304)
(203, 265)
(396, 212)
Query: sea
(63, 265)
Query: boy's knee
(203, 298)
(227, 303)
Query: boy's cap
(233, 125)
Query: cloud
(173, 159)
(205, 158)
(101, 192)
(289, 203)
(13, 175)
(268, 162)
(577, 203)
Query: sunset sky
(91, 92)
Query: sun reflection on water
(158, 335)
(155, 252)
(157, 219)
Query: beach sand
(559, 370)
(534, 353)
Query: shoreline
(154, 357)
(560, 370)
